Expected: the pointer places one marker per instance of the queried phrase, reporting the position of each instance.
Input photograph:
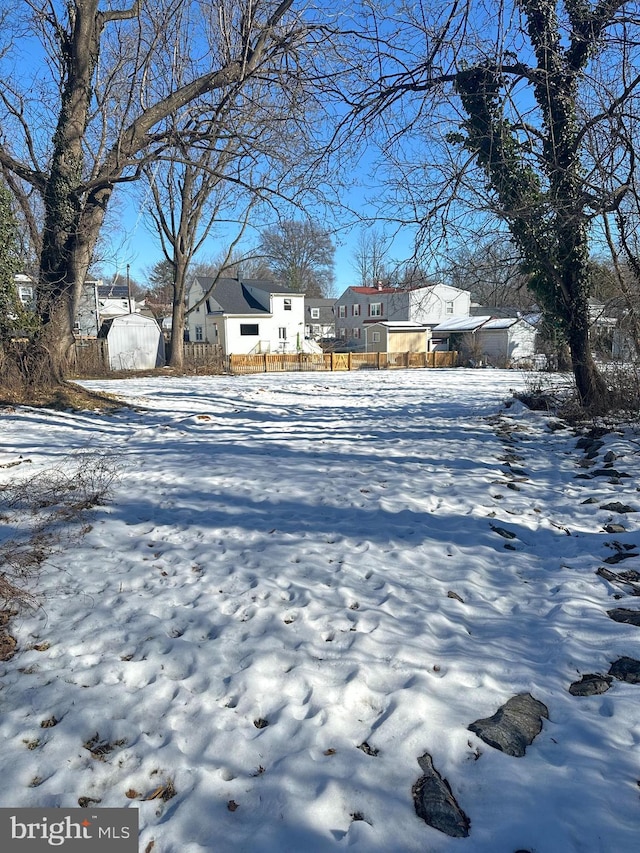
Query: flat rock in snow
(616, 506)
(513, 726)
(435, 804)
(621, 614)
(626, 669)
(591, 684)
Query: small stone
(609, 456)
(590, 501)
(620, 556)
(610, 472)
(452, 594)
(260, 723)
(616, 506)
(506, 534)
(368, 750)
(590, 685)
(613, 528)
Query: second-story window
(315, 313)
(342, 310)
(355, 310)
(375, 309)
(287, 305)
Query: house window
(199, 335)
(355, 310)
(249, 329)
(375, 309)
(355, 333)
(282, 333)
(375, 337)
(287, 305)
(315, 330)
(342, 333)
(315, 313)
(342, 310)
(448, 307)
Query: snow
(281, 548)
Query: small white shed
(507, 339)
(499, 341)
(135, 342)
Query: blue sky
(131, 241)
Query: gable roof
(371, 291)
(232, 296)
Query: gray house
(319, 318)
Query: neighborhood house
(246, 316)
(359, 307)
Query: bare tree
(505, 103)
(490, 270)
(102, 96)
(301, 255)
(370, 256)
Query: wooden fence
(272, 363)
(92, 359)
(204, 358)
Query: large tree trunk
(178, 314)
(590, 384)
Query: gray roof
(231, 296)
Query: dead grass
(65, 397)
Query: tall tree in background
(517, 93)
(370, 257)
(301, 256)
(491, 270)
(92, 114)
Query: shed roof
(399, 325)
(461, 324)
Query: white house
(429, 305)
(245, 316)
(499, 341)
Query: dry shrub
(623, 381)
(40, 515)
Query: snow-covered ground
(301, 584)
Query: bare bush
(43, 514)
